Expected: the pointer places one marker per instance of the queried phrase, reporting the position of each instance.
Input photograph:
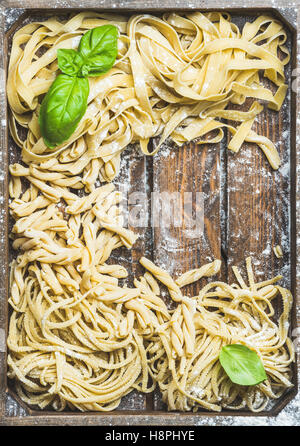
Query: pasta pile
(175, 76)
(192, 376)
(78, 338)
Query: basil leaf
(69, 61)
(66, 101)
(242, 365)
(62, 108)
(99, 49)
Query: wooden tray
(248, 209)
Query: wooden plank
(260, 211)
(259, 200)
(139, 197)
(192, 168)
(189, 169)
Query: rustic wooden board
(178, 249)
(262, 204)
(248, 209)
(191, 169)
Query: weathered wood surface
(247, 211)
(191, 169)
(260, 204)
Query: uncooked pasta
(78, 337)
(175, 76)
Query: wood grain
(190, 169)
(259, 198)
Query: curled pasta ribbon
(164, 278)
(175, 76)
(210, 269)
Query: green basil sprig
(242, 365)
(99, 48)
(66, 101)
(69, 61)
(62, 108)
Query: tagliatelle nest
(175, 75)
